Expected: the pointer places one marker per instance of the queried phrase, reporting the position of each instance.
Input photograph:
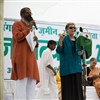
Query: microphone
(30, 19)
(35, 26)
(81, 29)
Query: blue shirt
(70, 61)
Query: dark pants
(72, 87)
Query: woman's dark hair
(92, 59)
(22, 11)
(67, 25)
(50, 42)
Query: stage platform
(9, 92)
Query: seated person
(58, 83)
(58, 79)
(94, 75)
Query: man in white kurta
(47, 73)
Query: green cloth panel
(84, 42)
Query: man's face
(27, 15)
(52, 46)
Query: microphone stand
(84, 74)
